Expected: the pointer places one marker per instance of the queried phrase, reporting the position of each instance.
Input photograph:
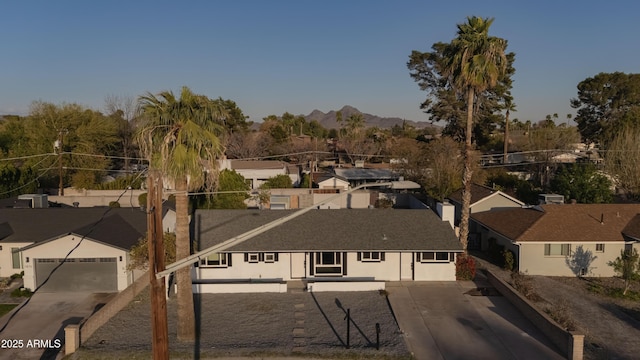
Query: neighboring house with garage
(483, 198)
(562, 239)
(342, 249)
(95, 241)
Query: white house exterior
(333, 182)
(42, 239)
(562, 240)
(258, 171)
(346, 249)
(93, 266)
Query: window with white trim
(371, 256)
(433, 256)
(599, 247)
(216, 260)
(257, 257)
(269, 257)
(328, 263)
(253, 257)
(557, 249)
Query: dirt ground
(611, 325)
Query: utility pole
(155, 241)
(59, 146)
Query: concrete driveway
(37, 331)
(440, 321)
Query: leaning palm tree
(181, 137)
(473, 63)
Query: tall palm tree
(181, 136)
(473, 63)
(509, 106)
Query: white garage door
(85, 274)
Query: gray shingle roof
(338, 230)
(38, 225)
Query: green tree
(606, 103)
(447, 104)
(627, 266)
(622, 160)
(463, 70)
(85, 133)
(233, 120)
(15, 181)
(583, 183)
(277, 182)
(181, 136)
(140, 252)
(233, 190)
(445, 164)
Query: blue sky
(297, 56)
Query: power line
(30, 182)
(26, 157)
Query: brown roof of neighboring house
(575, 222)
(478, 192)
(632, 229)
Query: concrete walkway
(440, 321)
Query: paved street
(37, 331)
(441, 322)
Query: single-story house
(562, 240)
(256, 172)
(343, 246)
(330, 181)
(95, 242)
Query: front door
(298, 263)
(406, 266)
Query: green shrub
(16, 276)
(114, 204)
(142, 200)
(509, 260)
(21, 292)
(465, 267)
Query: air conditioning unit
(37, 201)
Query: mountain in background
(328, 120)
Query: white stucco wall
(397, 266)
(259, 176)
(355, 200)
(59, 248)
(90, 198)
(240, 269)
(387, 270)
(445, 271)
(6, 260)
(534, 262)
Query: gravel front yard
(611, 326)
(302, 324)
